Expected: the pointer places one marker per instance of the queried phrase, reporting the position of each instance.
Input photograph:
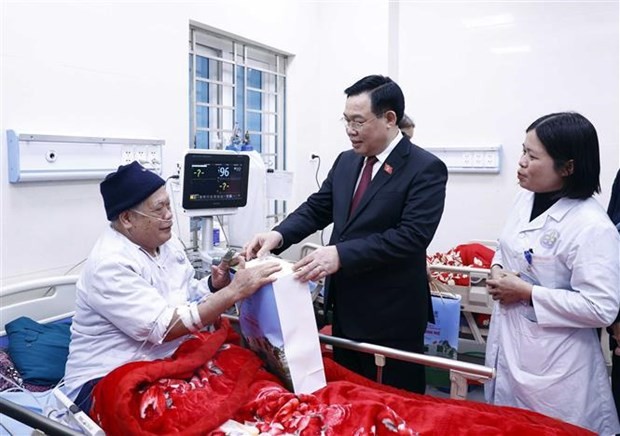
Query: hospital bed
(45, 300)
(475, 299)
(52, 299)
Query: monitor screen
(215, 180)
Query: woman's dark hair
(385, 95)
(569, 136)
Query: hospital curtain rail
(34, 420)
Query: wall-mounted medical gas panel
(469, 159)
(40, 158)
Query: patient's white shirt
(125, 301)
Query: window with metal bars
(237, 97)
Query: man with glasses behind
(385, 198)
(137, 298)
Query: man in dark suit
(385, 198)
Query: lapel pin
(387, 168)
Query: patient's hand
(220, 273)
(249, 280)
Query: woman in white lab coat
(555, 279)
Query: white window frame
(229, 53)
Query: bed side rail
(44, 300)
(34, 420)
(460, 372)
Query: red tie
(364, 182)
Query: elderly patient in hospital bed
(137, 298)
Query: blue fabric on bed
(39, 351)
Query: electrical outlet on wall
(127, 156)
(140, 155)
(154, 156)
(147, 155)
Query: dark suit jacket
(613, 210)
(381, 291)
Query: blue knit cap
(129, 185)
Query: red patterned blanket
(210, 380)
(471, 255)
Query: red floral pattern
(470, 255)
(206, 383)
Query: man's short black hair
(385, 95)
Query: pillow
(39, 351)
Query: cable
(219, 220)
(81, 418)
(139, 350)
(173, 201)
(318, 185)
(6, 429)
(316, 173)
(21, 389)
(168, 330)
(51, 288)
(17, 387)
(75, 266)
(42, 399)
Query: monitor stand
(207, 251)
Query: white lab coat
(547, 355)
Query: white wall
(116, 69)
(120, 70)
(344, 43)
(461, 93)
